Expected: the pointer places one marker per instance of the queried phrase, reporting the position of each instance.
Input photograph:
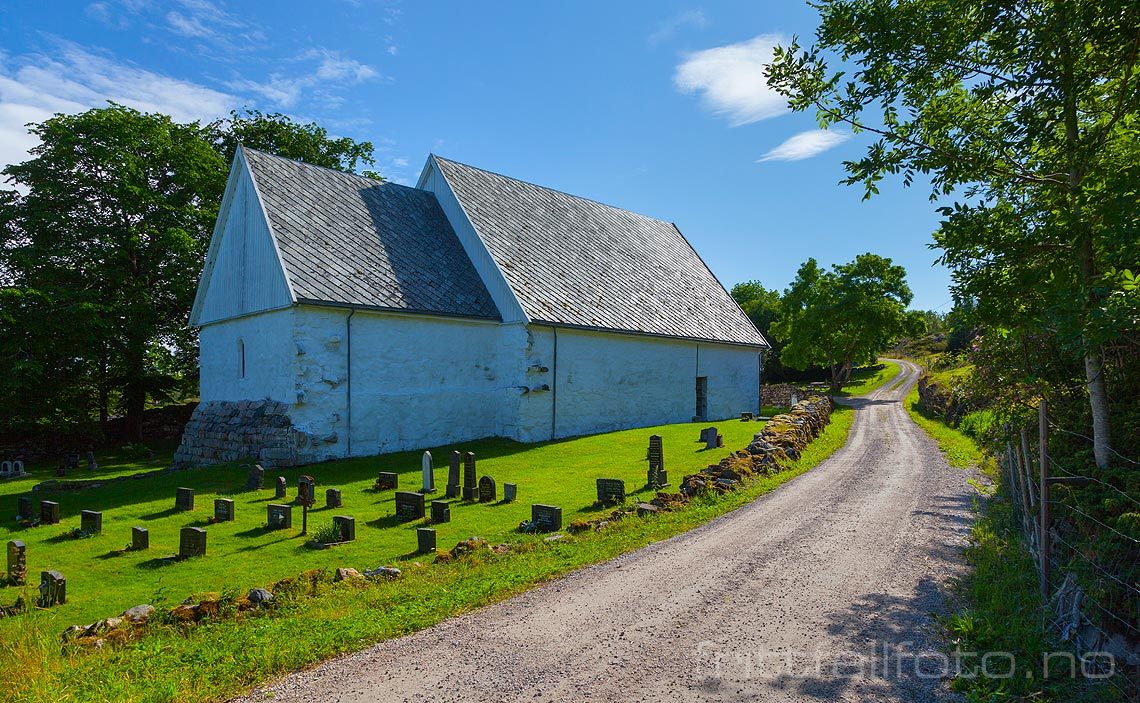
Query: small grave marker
(184, 499)
(546, 518)
(428, 470)
(387, 480)
(745, 417)
(425, 540)
(91, 463)
(24, 508)
(281, 488)
(510, 492)
(469, 487)
(53, 589)
(279, 516)
(346, 526)
(91, 521)
(656, 461)
(440, 512)
(306, 490)
(255, 479)
(611, 491)
(140, 539)
(453, 475)
(17, 563)
(49, 512)
(708, 436)
(409, 506)
(191, 542)
(223, 510)
(333, 498)
(488, 492)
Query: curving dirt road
(820, 591)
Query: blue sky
(656, 107)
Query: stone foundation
(257, 430)
(779, 395)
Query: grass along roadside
(869, 378)
(219, 659)
(1000, 606)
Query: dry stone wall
(260, 430)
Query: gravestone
(6, 469)
(91, 463)
(282, 488)
(387, 480)
(662, 479)
(49, 512)
(53, 589)
(487, 490)
(546, 518)
(346, 526)
(24, 507)
(255, 479)
(409, 506)
(656, 460)
(18, 467)
(428, 470)
(332, 498)
(469, 487)
(306, 490)
(708, 436)
(425, 540)
(91, 521)
(719, 441)
(510, 492)
(72, 461)
(223, 510)
(745, 417)
(611, 491)
(440, 512)
(453, 475)
(184, 499)
(140, 539)
(17, 563)
(279, 516)
(191, 542)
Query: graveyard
(104, 577)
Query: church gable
(243, 272)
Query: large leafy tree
(843, 317)
(101, 245)
(1027, 113)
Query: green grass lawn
(961, 451)
(869, 378)
(219, 658)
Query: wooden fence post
(1043, 438)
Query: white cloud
(667, 28)
(805, 145)
(332, 70)
(731, 80)
(73, 79)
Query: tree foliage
(303, 141)
(843, 317)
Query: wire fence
(1092, 595)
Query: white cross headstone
(429, 475)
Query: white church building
(341, 316)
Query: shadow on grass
(113, 554)
(163, 513)
(159, 562)
(390, 521)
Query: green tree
(843, 317)
(763, 307)
(1025, 111)
(308, 142)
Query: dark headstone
(387, 480)
(662, 479)
(53, 589)
(453, 475)
(440, 512)
(17, 563)
(49, 512)
(510, 492)
(223, 510)
(306, 490)
(708, 436)
(611, 491)
(255, 480)
(346, 526)
(488, 492)
(184, 499)
(546, 518)
(745, 417)
(409, 506)
(140, 538)
(469, 486)
(191, 542)
(24, 508)
(278, 516)
(656, 460)
(281, 488)
(91, 521)
(425, 540)
(332, 498)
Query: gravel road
(820, 591)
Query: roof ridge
(333, 171)
(552, 190)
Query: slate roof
(576, 262)
(349, 240)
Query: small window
(241, 351)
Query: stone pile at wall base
(221, 431)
